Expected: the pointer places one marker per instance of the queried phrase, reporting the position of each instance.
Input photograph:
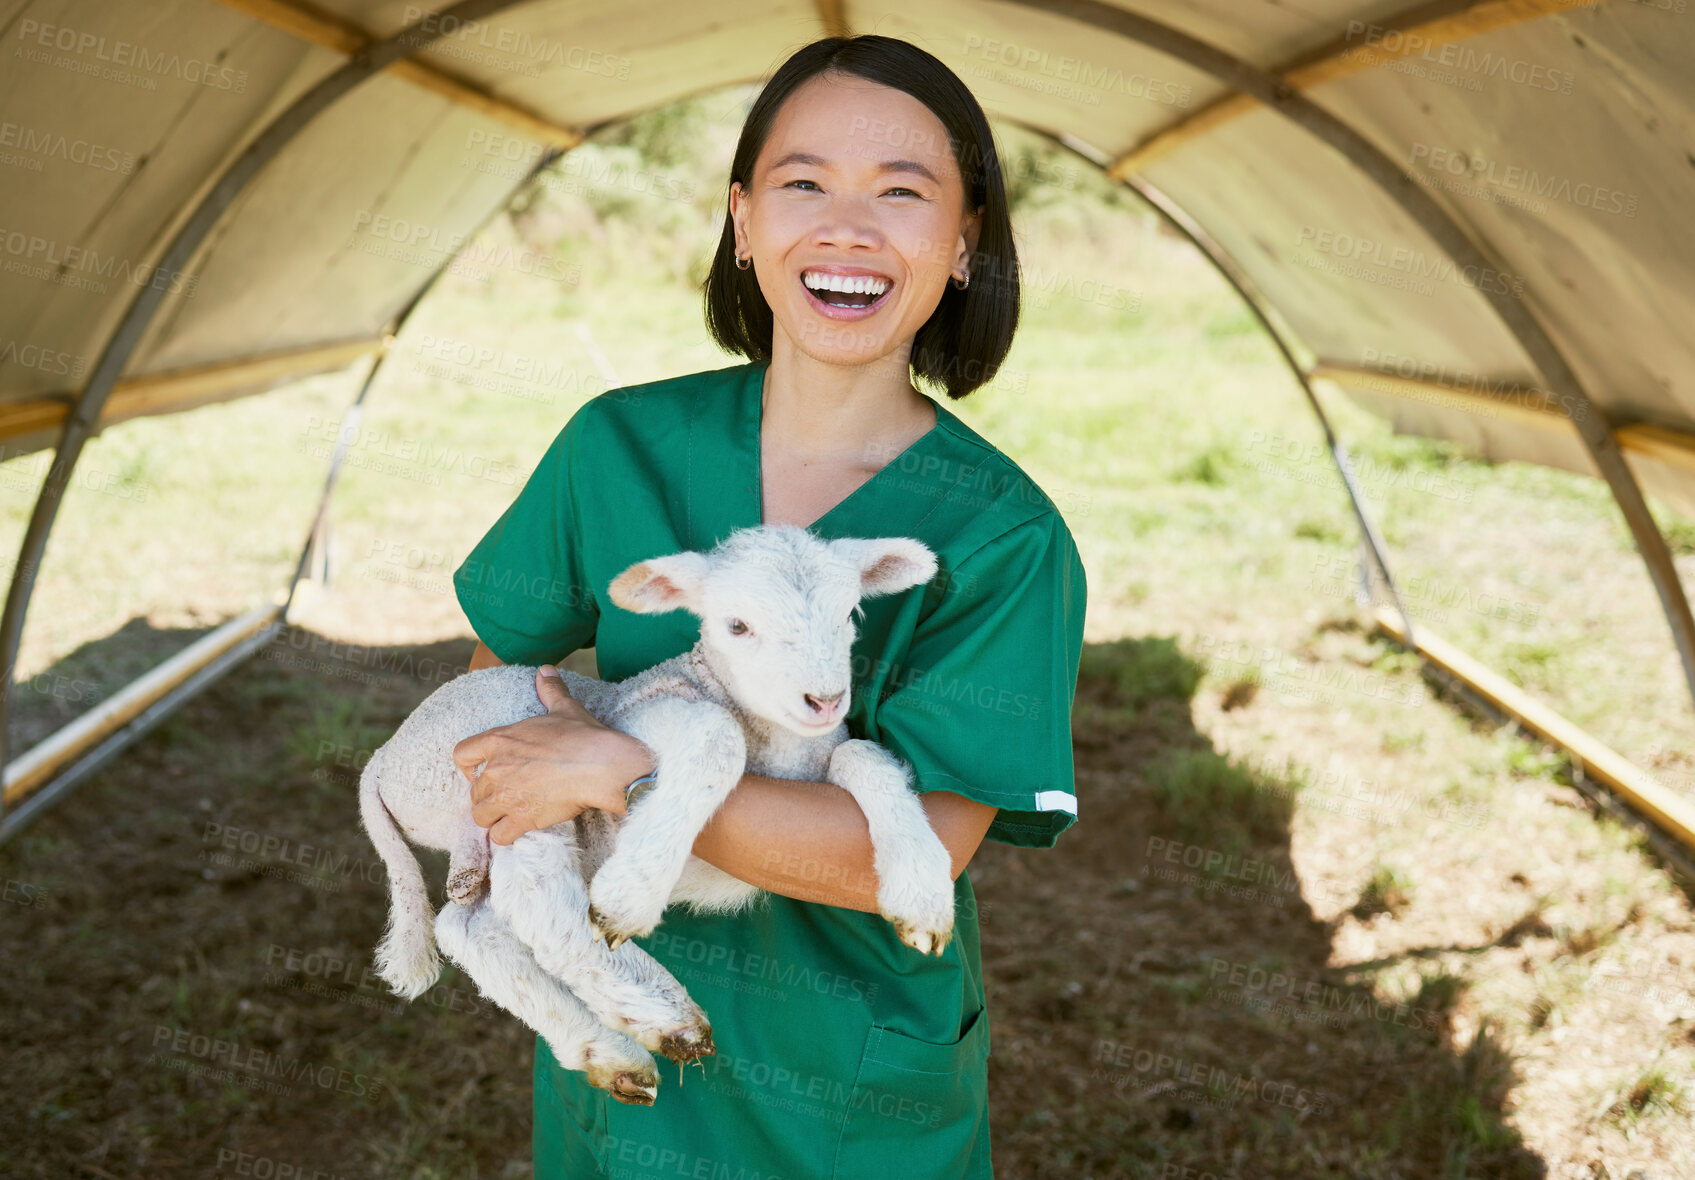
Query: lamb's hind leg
(536, 884)
(467, 867)
(479, 940)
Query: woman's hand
(548, 769)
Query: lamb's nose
(822, 704)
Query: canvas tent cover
(1559, 135)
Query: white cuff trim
(1056, 801)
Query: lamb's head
(777, 607)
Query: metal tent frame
(47, 772)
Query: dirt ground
(1210, 976)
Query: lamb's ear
(661, 584)
(888, 565)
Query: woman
(840, 1051)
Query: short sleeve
(981, 705)
(523, 586)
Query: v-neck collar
(749, 420)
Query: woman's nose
(849, 222)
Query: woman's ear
(972, 225)
(738, 214)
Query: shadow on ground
(1162, 1001)
(187, 973)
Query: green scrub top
(841, 1052)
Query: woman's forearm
(810, 840)
(805, 840)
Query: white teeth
(856, 285)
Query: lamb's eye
(737, 627)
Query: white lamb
(764, 691)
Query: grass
(1653, 1093)
(1387, 891)
(1212, 798)
(1141, 670)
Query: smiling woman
(866, 249)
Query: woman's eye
(792, 183)
(737, 627)
(907, 191)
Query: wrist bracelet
(638, 788)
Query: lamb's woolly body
(607, 1003)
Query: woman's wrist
(627, 760)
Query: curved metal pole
(1174, 216)
(1446, 232)
(79, 426)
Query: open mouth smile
(845, 296)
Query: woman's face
(856, 181)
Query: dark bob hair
(963, 343)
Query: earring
(743, 263)
(961, 286)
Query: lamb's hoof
(467, 886)
(689, 1044)
(628, 1082)
(606, 931)
(635, 1088)
(921, 939)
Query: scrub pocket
(919, 1110)
(568, 1139)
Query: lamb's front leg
(699, 753)
(914, 870)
